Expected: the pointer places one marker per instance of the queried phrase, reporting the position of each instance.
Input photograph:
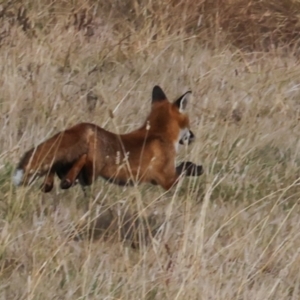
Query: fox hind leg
(47, 185)
(73, 173)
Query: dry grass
(230, 234)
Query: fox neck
(172, 134)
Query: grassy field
(230, 234)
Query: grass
(230, 234)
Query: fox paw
(46, 188)
(65, 184)
(190, 169)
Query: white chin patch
(18, 177)
(184, 135)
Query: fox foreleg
(189, 169)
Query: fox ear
(182, 101)
(158, 95)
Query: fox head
(171, 117)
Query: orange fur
(86, 151)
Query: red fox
(86, 151)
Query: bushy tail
(18, 177)
(30, 165)
(62, 148)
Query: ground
(230, 234)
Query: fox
(86, 151)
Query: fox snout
(188, 138)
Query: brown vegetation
(249, 25)
(230, 234)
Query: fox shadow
(119, 225)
